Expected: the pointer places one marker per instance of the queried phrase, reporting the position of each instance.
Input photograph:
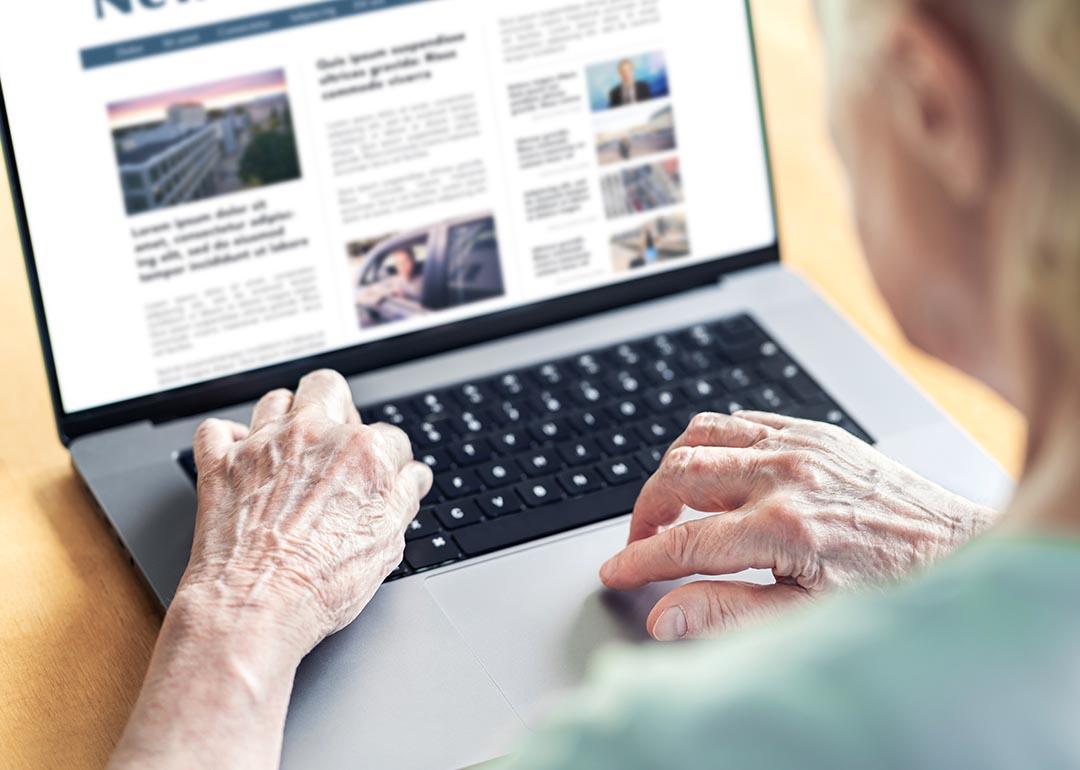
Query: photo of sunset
(219, 95)
(198, 142)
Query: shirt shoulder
(917, 675)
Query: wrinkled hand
(303, 515)
(808, 501)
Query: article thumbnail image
(426, 270)
(203, 141)
(634, 134)
(642, 188)
(658, 240)
(626, 81)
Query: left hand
(302, 515)
(809, 501)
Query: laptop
(538, 236)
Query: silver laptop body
(448, 667)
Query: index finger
(718, 545)
(213, 439)
(707, 479)
(328, 393)
(714, 429)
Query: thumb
(710, 607)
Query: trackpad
(535, 618)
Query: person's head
(404, 263)
(959, 124)
(627, 71)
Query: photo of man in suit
(630, 90)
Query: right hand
(809, 501)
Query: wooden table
(76, 627)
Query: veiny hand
(808, 501)
(303, 515)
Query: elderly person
(959, 123)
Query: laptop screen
(217, 186)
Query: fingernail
(607, 570)
(671, 625)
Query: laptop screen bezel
(242, 387)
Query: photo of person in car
(442, 266)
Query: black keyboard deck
(556, 446)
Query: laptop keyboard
(548, 448)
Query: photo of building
(642, 188)
(204, 141)
(632, 134)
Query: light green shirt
(975, 664)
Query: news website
(218, 186)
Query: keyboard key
(664, 345)
(663, 399)
(500, 473)
(550, 402)
(586, 364)
(699, 361)
(501, 502)
(472, 452)
(701, 389)
(433, 404)
(549, 375)
(392, 413)
(550, 430)
(473, 395)
(746, 348)
(454, 515)
(769, 398)
(433, 496)
(582, 452)
(539, 492)
(473, 423)
(512, 413)
(431, 433)
(457, 484)
(510, 441)
(662, 371)
(587, 393)
(588, 422)
(436, 459)
(650, 459)
(805, 390)
(731, 405)
(510, 385)
(658, 431)
(626, 354)
(779, 368)
(735, 378)
(539, 462)
(620, 470)
(532, 524)
(735, 327)
(580, 482)
(424, 525)
(626, 409)
(431, 552)
(617, 442)
(400, 571)
(625, 382)
(699, 336)
(187, 462)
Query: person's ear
(940, 105)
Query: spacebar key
(535, 523)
